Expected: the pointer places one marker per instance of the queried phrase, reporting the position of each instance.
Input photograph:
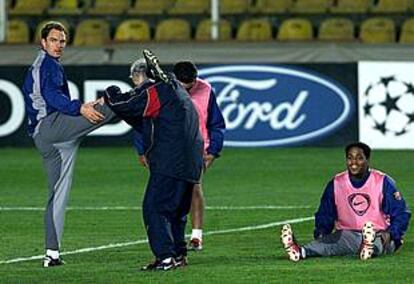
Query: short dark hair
(52, 26)
(364, 147)
(185, 71)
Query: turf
(109, 177)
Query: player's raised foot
(154, 67)
(195, 244)
(48, 261)
(160, 265)
(289, 244)
(367, 245)
(181, 261)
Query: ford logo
(275, 106)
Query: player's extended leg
(339, 243)
(197, 218)
(335, 244)
(65, 127)
(154, 67)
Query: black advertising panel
(264, 105)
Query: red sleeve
(153, 103)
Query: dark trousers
(167, 202)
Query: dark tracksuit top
(168, 121)
(215, 127)
(393, 205)
(46, 91)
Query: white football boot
(288, 240)
(368, 238)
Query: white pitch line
(126, 208)
(259, 227)
(118, 245)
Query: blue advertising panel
(273, 105)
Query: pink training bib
(356, 206)
(200, 96)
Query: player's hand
(143, 160)
(208, 160)
(88, 111)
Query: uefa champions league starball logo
(389, 105)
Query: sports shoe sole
(153, 64)
(292, 249)
(368, 238)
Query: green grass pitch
(236, 250)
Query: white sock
(303, 252)
(52, 253)
(167, 260)
(197, 234)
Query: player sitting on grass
(365, 207)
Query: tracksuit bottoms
(345, 243)
(57, 138)
(166, 204)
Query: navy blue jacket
(46, 91)
(393, 205)
(168, 121)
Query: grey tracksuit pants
(57, 139)
(344, 243)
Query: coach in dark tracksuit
(165, 115)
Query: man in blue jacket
(364, 206)
(212, 128)
(163, 112)
(57, 125)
